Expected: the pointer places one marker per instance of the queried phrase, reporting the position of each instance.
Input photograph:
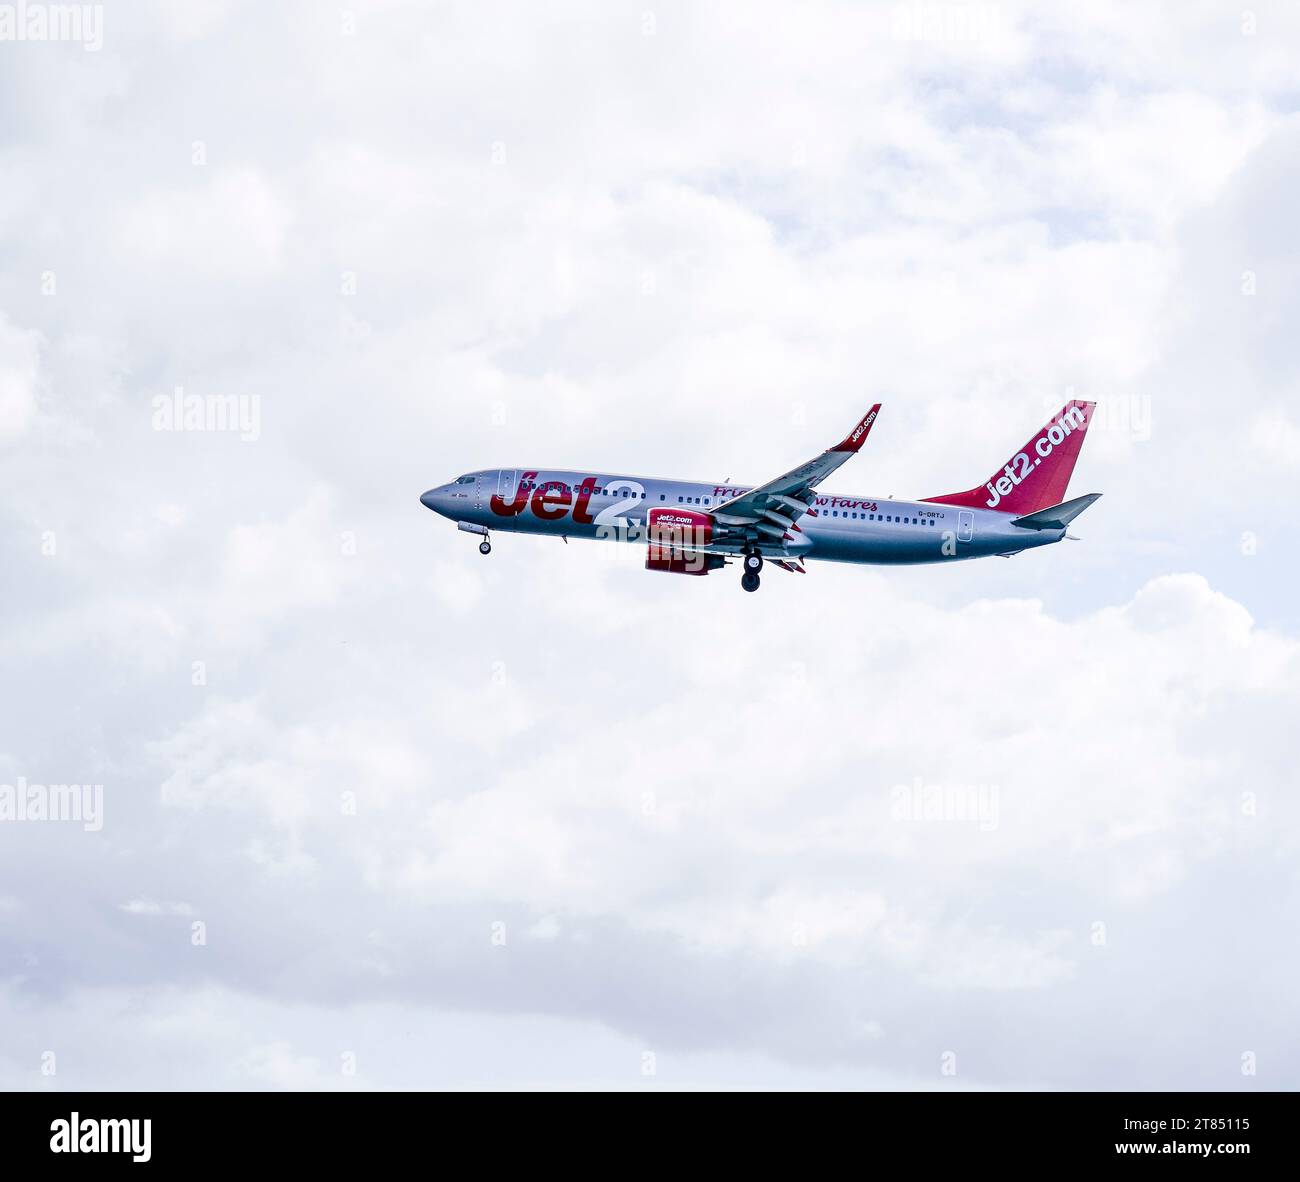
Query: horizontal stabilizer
(1056, 516)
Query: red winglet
(858, 436)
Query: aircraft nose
(431, 499)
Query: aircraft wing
(774, 507)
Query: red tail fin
(1037, 476)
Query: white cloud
(352, 747)
(1274, 435)
(19, 367)
(228, 223)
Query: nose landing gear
(470, 527)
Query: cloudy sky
(378, 812)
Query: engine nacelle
(675, 535)
(682, 529)
(682, 562)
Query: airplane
(694, 527)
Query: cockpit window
(465, 480)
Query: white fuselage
(837, 528)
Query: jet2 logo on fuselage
(552, 499)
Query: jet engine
(675, 538)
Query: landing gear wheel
(485, 547)
(753, 562)
(749, 581)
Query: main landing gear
(750, 581)
(485, 547)
(753, 564)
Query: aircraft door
(965, 525)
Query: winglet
(858, 436)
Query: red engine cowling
(682, 562)
(675, 535)
(683, 529)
